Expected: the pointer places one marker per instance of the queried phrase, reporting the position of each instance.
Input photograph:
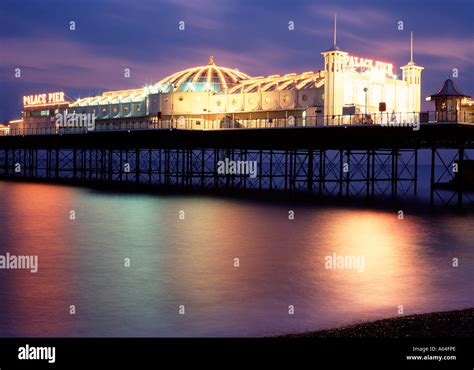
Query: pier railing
(385, 119)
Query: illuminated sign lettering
(41, 99)
(352, 62)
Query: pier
(332, 160)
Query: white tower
(412, 77)
(333, 79)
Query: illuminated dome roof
(204, 78)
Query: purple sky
(251, 35)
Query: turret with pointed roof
(448, 102)
(449, 89)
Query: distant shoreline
(459, 323)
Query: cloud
(204, 14)
(452, 50)
(70, 64)
(73, 64)
(363, 17)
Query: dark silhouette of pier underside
(352, 161)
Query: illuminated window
(267, 99)
(285, 99)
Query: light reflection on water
(190, 262)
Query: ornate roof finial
(211, 60)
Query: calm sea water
(190, 262)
